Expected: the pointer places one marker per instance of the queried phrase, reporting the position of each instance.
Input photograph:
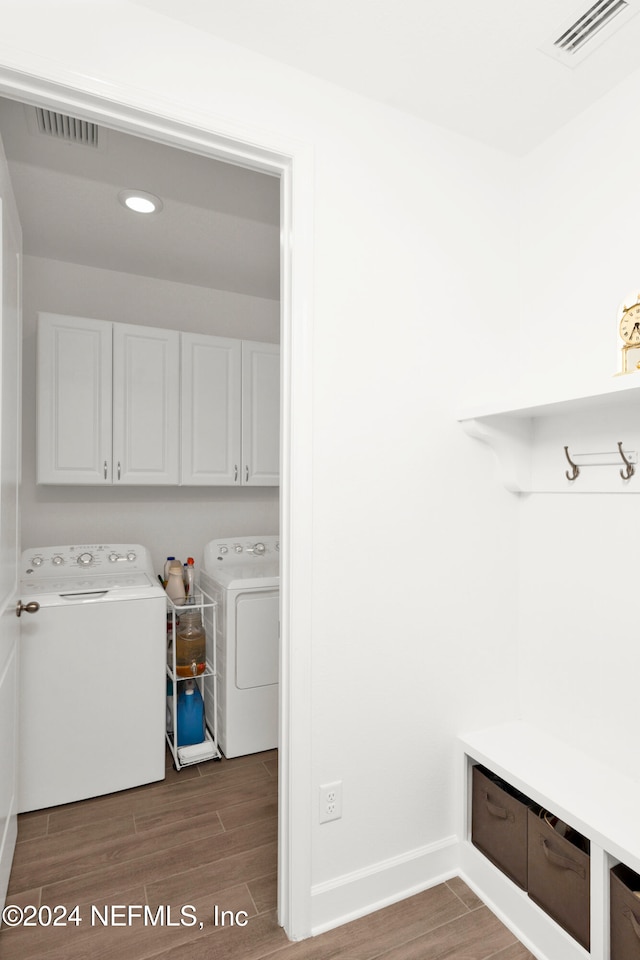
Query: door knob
(32, 607)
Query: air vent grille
(69, 129)
(590, 23)
(584, 33)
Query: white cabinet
(260, 414)
(74, 400)
(130, 404)
(230, 412)
(211, 410)
(146, 405)
(108, 402)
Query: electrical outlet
(330, 801)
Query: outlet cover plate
(330, 801)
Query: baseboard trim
(361, 892)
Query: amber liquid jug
(191, 645)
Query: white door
(260, 414)
(211, 398)
(146, 404)
(10, 364)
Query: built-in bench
(595, 799)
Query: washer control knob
(113, 557)
(258, 549)
(36, 562)
(85, 559)
(224, 549)
(237, 547)
(57, 560)
(131, 556)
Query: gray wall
(167, 520)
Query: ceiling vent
(69, 129)
(580, 37)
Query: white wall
(413, 548)
(414, 544)
(579, 559)
(168, 520)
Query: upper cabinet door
(146, 405)
(74, 400)
(260, 414)
(211, 406)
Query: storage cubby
(559, 873)
(625, 913)
(583, 841)
(499, 823)
(544, 856)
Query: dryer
(243, 575)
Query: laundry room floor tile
(206, 837)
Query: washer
(92, 673)
(243, 575)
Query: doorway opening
(271, 160)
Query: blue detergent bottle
(190, 714)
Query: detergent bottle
(190, 714)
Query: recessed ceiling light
(140, 201)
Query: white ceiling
(473, 66)
(219, 227)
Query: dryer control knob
(57, 560)
(85, 559)
(36, 562)
(258, 548)
(113, 557)
(237, 547)
(131, 556)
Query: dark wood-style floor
(206, 836)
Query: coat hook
(574, 467)
(630, 467)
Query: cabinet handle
(105, 469)
(235, 474)
(246, 474)
(118, 469)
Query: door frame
(143, 114)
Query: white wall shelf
(528, 439)
(595, 799)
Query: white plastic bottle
(175, 583)
(190, 578)
(167, 564)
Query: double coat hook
(626, 473)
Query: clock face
(630, 325)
